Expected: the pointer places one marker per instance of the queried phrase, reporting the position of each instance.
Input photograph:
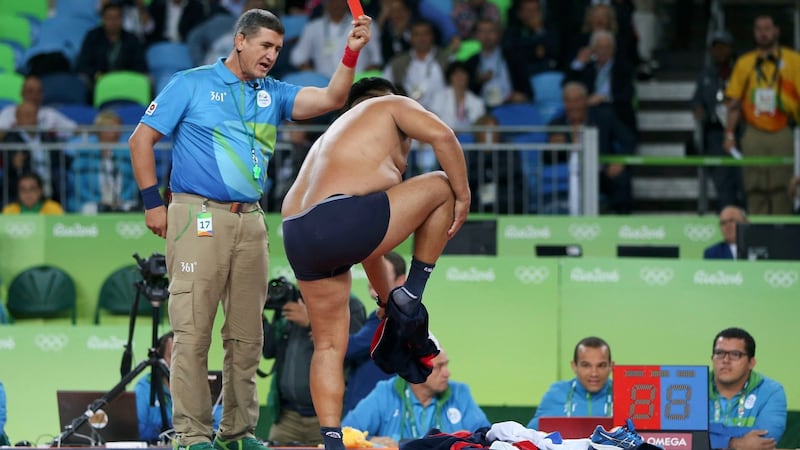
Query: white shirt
(322, 43)
(49, 119)
(498, 89)
(443, 104)
(423, 78)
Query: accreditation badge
(765, 100)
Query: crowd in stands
(470, 61)
(498, 48)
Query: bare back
(363, 151)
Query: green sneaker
(197, 446)
(248, 443)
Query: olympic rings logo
(781, 278)
(699, 232)
(50, 342)
(584, 232)
(20, 230)
(656, 276)
(130, 230)
(532, 274)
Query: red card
(355, 8)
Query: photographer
(287, 339)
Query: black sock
(332, 438)
(418, 276)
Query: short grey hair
(599, 34)
(255, 19)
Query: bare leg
(327, 304)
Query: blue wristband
(151, 197)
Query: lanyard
(775, 74)
(408, 416)
(737, 421)
(250, 137)
(569, 406)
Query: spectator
(589, 393)
(608, 79)
(615, 17)
(763, 91)
(495, 176)
(747, 409)
(287, 339)
(456, 105)
(149, 415)
(102, 177)
(31, 199)
(173, 20)
(533, 46)
(395, 22)
(48, 117)
(135, 17)
(729, 217)
(396, 411)
(710, 112)
(318, 48)
(364, 374)
(201, 38)
(467, 13)
(32, 154)
(491, 75)
(109, 48)
(613, 139)
(419, 71)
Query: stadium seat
(129, 114)
(467, 49)
(11, 86)
(81, 9)
(63, 88)
(306, 78)
(35, 9)
(166, 58)
(441, 19)
(547, 93)
(42, 292)
(7, 62)
(16, 31)
(367, 74)
(122, 86)
(293, 26)
(60, 34)
(118, 294)
(82, 114)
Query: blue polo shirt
(223, 130)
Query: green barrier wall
(509, 323)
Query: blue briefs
(328, 238)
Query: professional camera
(279, 292)
(154, 276)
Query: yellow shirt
(47, 207)
(769, 98)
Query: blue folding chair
(64, 88)
(82, 114)
(440, 18)
(547, 93)
(293, 26)
(60, 34)
(166, 58)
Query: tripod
(157, 365)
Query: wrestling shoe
(623, 437)
(248, 443)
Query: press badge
(765, 101)
(204, 224)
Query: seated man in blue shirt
(150, 426)
(747, 409)
(589, 393)
(396, 411)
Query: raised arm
(313, 101)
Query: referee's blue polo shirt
(218, 124)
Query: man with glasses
(726, 249)
(747, 410)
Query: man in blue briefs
(349, 205)
(223, 120)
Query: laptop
(574, 427)
(123, 424)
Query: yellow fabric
(745, 80)
(48, 207)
